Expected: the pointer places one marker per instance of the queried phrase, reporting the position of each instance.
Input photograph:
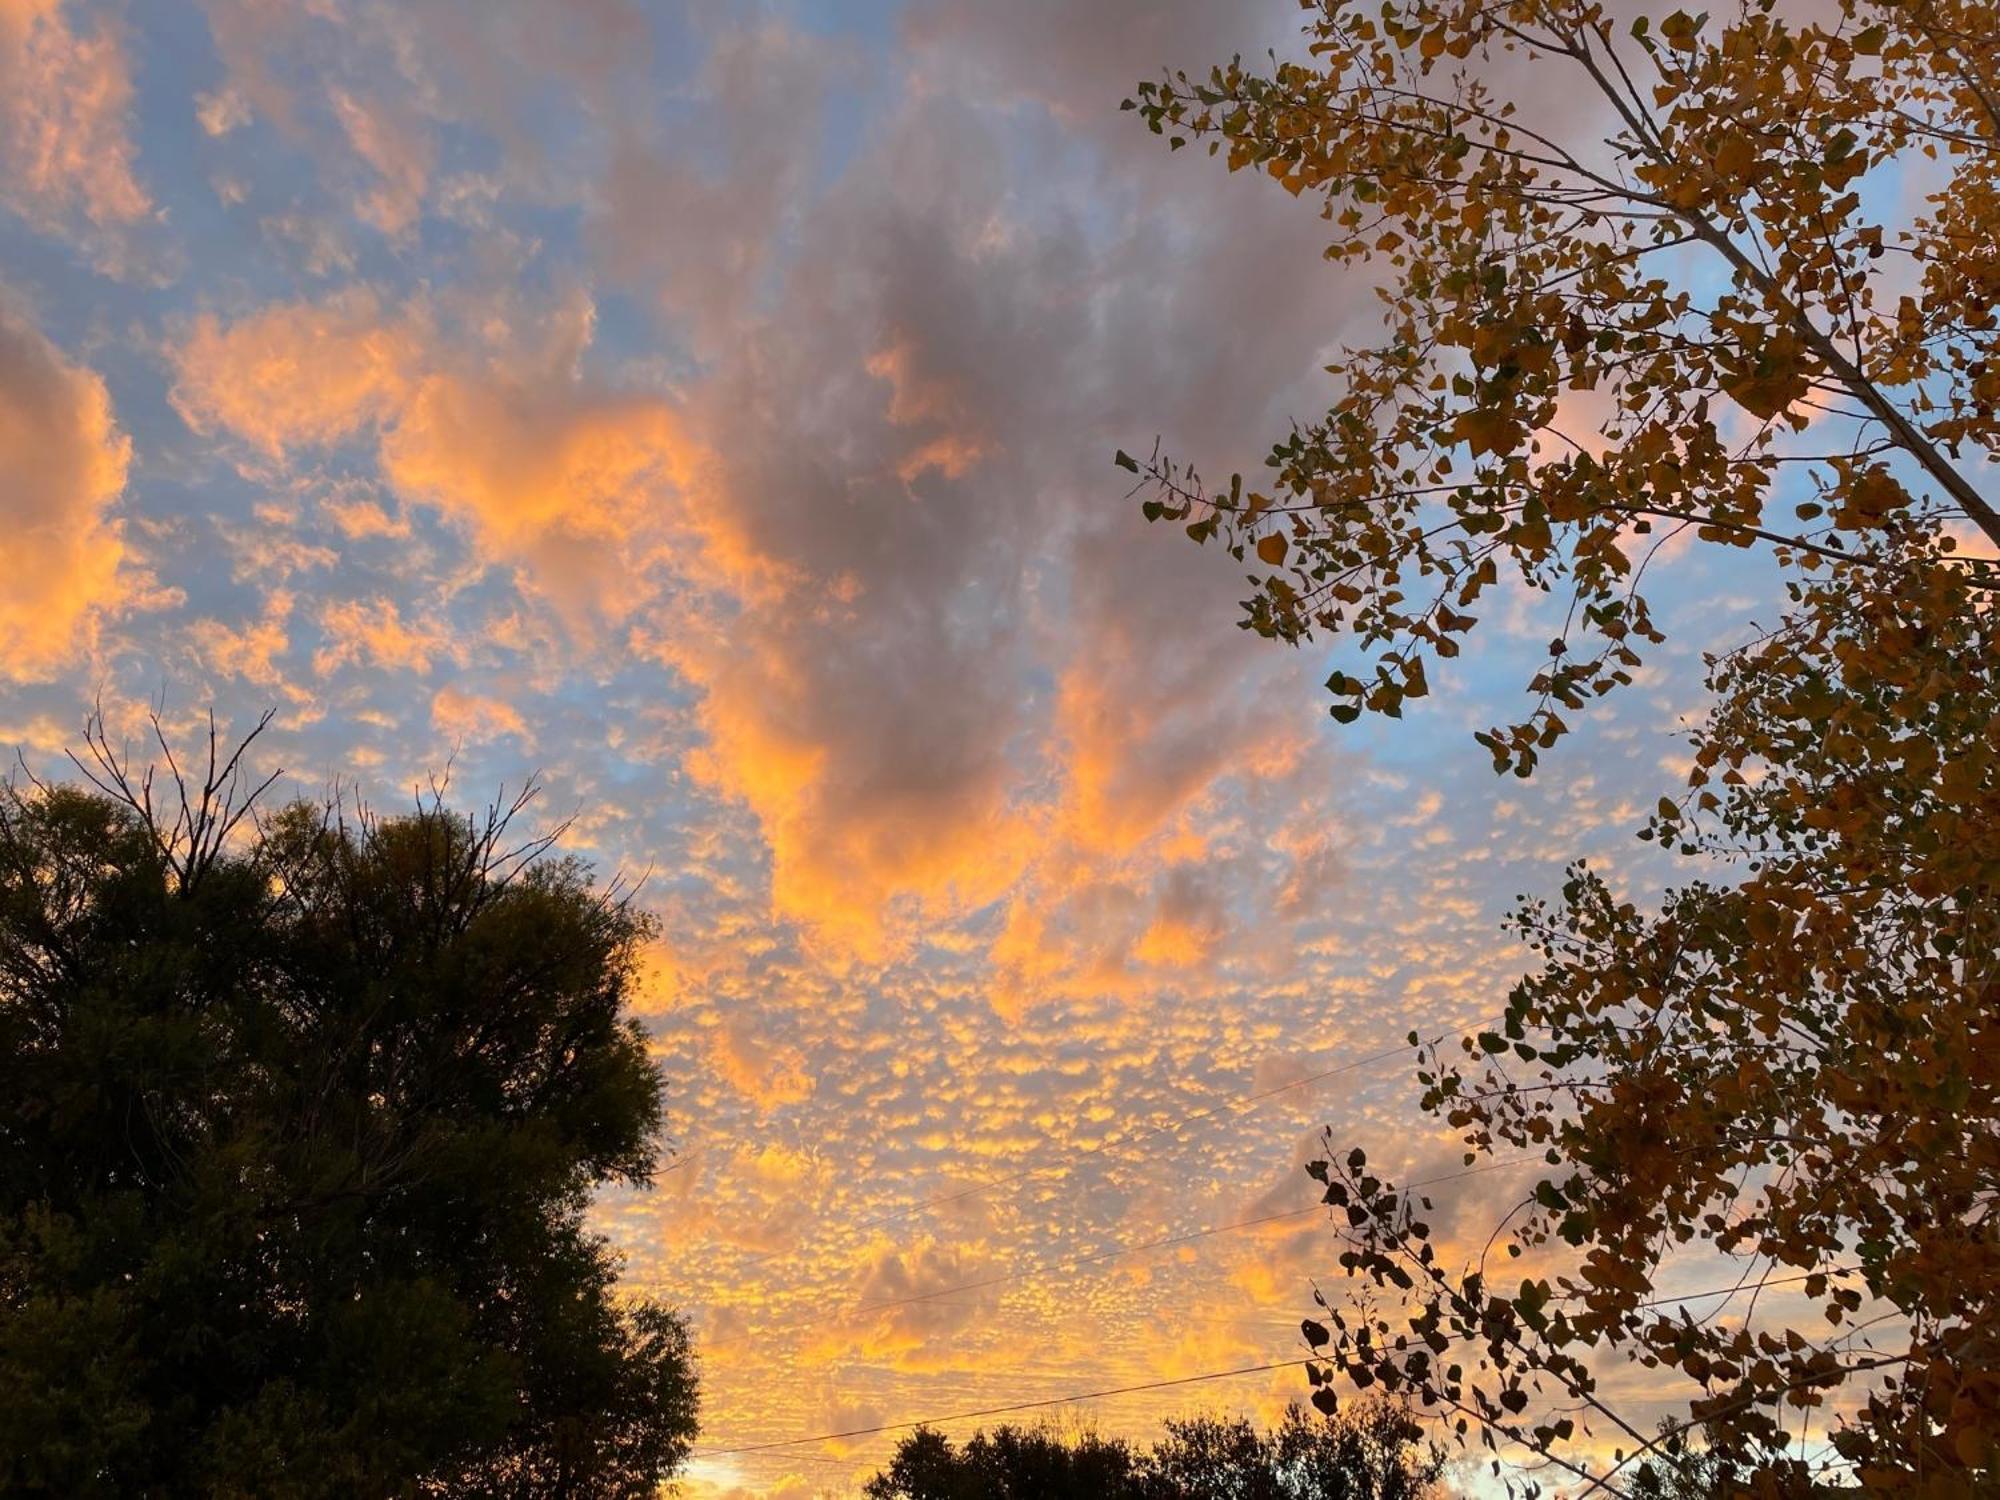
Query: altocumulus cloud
(65, 463)
(711, 406)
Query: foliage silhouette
(1369, 1452)
(295, 1145)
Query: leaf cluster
(1799, 1070)
(1703, 324)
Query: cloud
(361, 518)
(738, 169)
(253, 650)
(222, 111)
(860, 683)
(550, 474)
(770, 1074)
(397, 150)
(67, 163)
(564, 479)
(840, 534)
(65, 463)
(1080, 61)
(370, 92)
(374, 633)
(339, 81)
(460, 714)
(909, 1311)
(299, 373)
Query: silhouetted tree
(1685, 1470)
(1370, 1452)
(298, 1127)
(1012, 1463)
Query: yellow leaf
(1271, 549)
(1734, 156)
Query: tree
(1684, 1471)
(1373, 1452)
(1801, 1069)
(1795, 1063)
(298, 1132)
(1805, 355)
(1013, 1463)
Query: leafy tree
(1684, 1471)
(296, 1141)
(1795, 1062)
(1800, 1069)
(1530, 281)
(1012, 1463)
(1373, 1452)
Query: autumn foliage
(1692, 300)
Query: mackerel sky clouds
(710, 407)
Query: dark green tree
(1011, 1463)
(1371, 1451)
(298, 1127)
(1687, 1471)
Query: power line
(1123, 1390)
(999, 1411)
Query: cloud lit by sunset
(710, 409)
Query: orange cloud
(563, 480)
(850, 836)
(65, 463)
(299, 373)
(555, 478)
(376, 633)
(768, 1074)
(934, 406)
(397, 149)
(463, 715)
(359, 519)
(250, 651)
(908, 1313)
(65, 153)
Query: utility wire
(997, 1411)
(1123, 1390)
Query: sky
(710, 409)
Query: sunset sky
(711, 407)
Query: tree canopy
(1372, 1452)
(1692, 302)
(295, 1148)
(1737, 280)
